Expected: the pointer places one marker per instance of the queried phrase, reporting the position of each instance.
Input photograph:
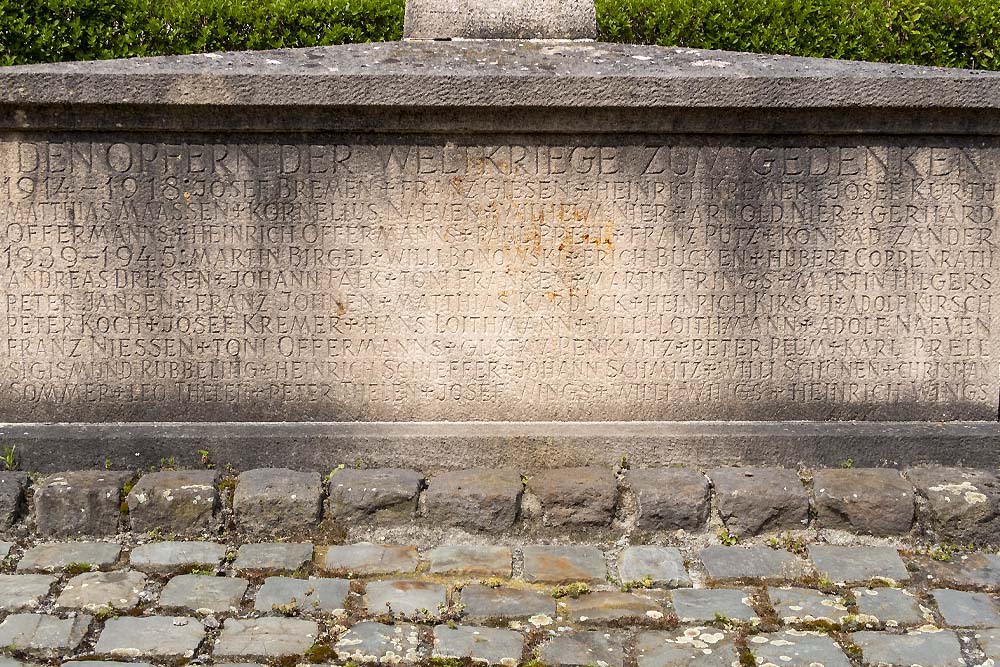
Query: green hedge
(961, 33)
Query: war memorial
(499, 346)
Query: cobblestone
(471, 561)
(798, 605)
(381, 495)
(692, 647)
(564, 564)
(264, 638)
(58, 556)
(273, 557)
(582, 649)
(576, 497)
(174, 556)
(406, 598)
(93, 591)
(85, 502)
(483, 603)
(694, 605)
(277, 501)
(989, 641)
(876, 501)
(926, 649)
(366, 558)
(479, 499)
(5, 548)
(661, 566)
(494, 646)
(856, 565)
(305, 595)
(151, 637)
(757, 500)
(178, 501)
(609, 606)
(12, 502)
(670, 498)
(204, 594)
(387, 644)
(963, 609)
(22, 592)
(736, 563)
(964, 504)
(46, 635)
(797, 649)
(891, 607)
(978, 569)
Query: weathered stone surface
(494, 646)
(174, 501)
(310, 596)
(504, 19)
(273, 557)
(609, 606)
(797, 605)
(406, 598)
(478, 499)
(5, 548)
(92, 591)
(484, 603)
(876, 501)
(757, 500)
(989, 641)
(978, 569)
(102, 663)
(734, 563)
(12, 505)
(376, 494)
(693, 647)
(370, 642)
(797, 649)
(961, 609)
(927, 649)
(582, 649)
(365, 558)
(24, 592)
(662, 566)
(84, 502)
(564, 564)
(471, 560)
(268, 637)
(891, 607)
(858, 564)
(963, 503)
(60, 555)
(150, 637)
(277, 501)
(707, 604)
(670, 498)
(172, 556)
(204, 594)
(576, 497)
(38, 633)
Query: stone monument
(478, 251)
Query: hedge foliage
(961, 33)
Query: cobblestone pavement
(372, 582)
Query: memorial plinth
(409, 235)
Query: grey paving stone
(306, 595)
(858, 564)
(663, 566)
(892, 607)
(405, 598)
(694, 605)
(10, 662)
(380, 495)
(57, 556)
(484, 603)
(274, 557)
(92, 591)
(576, 497)
(366, 558)
(797, 605)
(477, 499)
(150, 637)
(757, 500)
(734, 563)
(5, 548)
(582, 649)
(989, 641)
(471, 561)
(183, 502)
(277, 501)
(691, 647)
(793, 648)
(564, 564)
(268, 637)
(963, 503)
(38, 633)
(84, 502)
(926, 649)
(875, 501)
(174, 556)
(370, 642)
(494, 646)
(977, 569)
(101, 663)
(670, 498)
(24, 592)
(204, 594)
(962, 609)
(12, 502)
(608, 606)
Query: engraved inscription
(336, 277)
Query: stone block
(24, 592)
(277, 501)
(310, 596)
(927, 649)
(661, 566)
(670, 498)
(500, 19)
(492, 646)
(964, 609)
(62, 555)
(797, 649)
(564, 564)
(273, 557)
(5, 549)
(963, 504)
(182, 502)
(694, 605)
(173, 556)
(890, 607)
(365, 558)
(477, 499)
(576, 497)
(989, 641)
(204, 594)
(804, 605)
(370, 642)
(854, 565)
(482, 603)
(471, 561)
(582, 649)
(381, 495)
(872, 501)
(163, 637)
(737, 563)
(264, 638)
(84, 502)
(93, 591)
(692, 647)
(406, 599)
(979, 570)
(46, 635)
(12, 503)
(757, 500)
(609, 607)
